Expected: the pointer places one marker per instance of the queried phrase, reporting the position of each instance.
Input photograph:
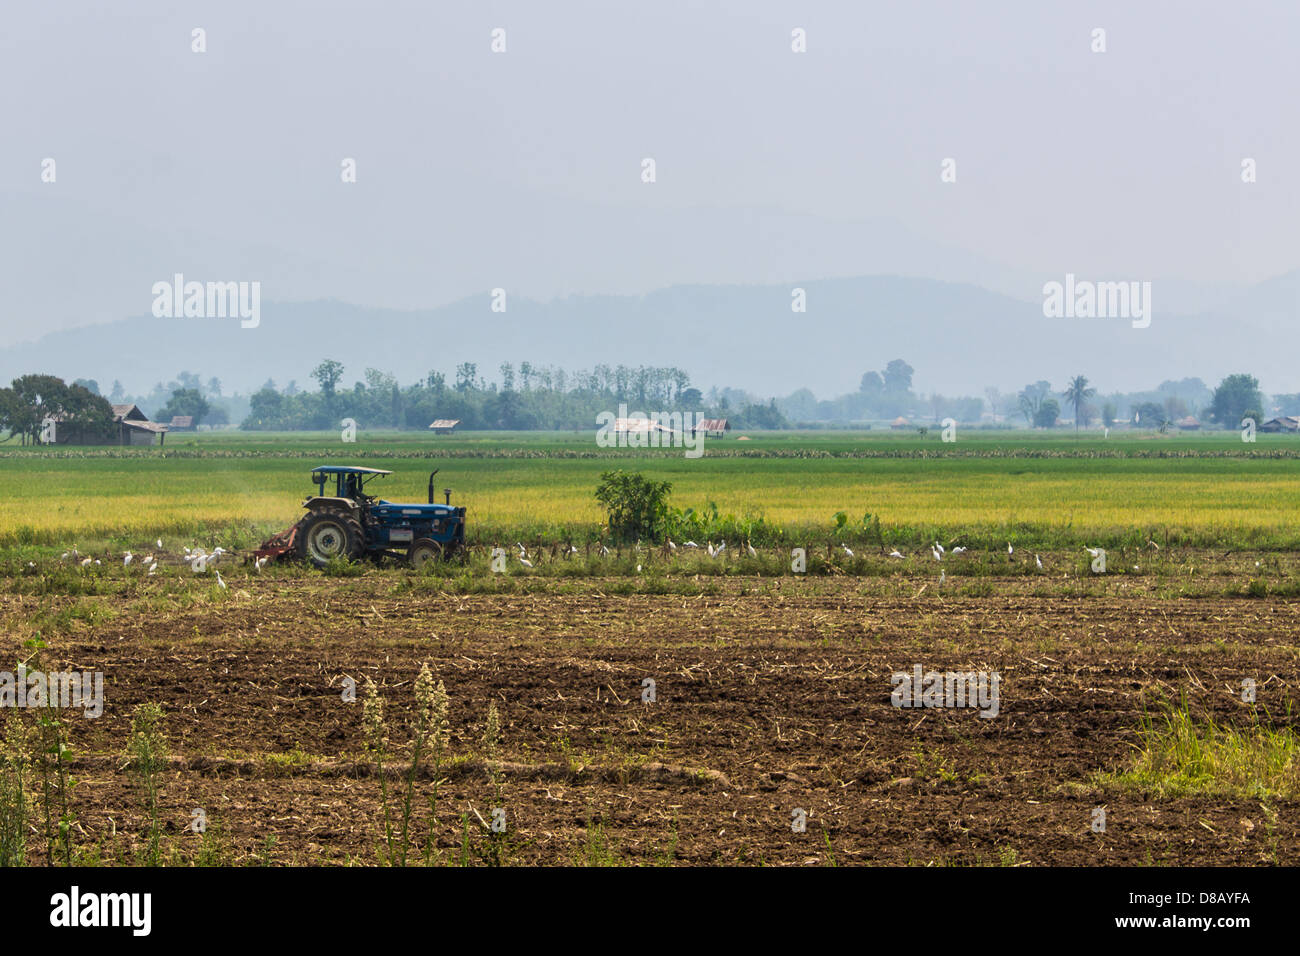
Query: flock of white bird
(937, 551)
(201, 560)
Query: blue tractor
(343, 521)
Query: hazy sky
(523, 170)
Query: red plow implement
(278, 545)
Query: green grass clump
(1181, 756)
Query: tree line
(526, 397)
(545, 397)
(1237, 397)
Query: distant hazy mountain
(959, 337)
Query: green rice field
(1034, 489)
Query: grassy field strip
(1256, 502)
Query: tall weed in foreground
(434, 722)
(497, 845)
(14, 797)
(430, 731)
(429, 748)
(50, 755)
(429, 743)
(146, 756)
(375, 731)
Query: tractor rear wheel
(325, 535)
(423, 551)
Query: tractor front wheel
(423, 551)
(325, 535)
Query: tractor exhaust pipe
(431, 474)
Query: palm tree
(1076, 394)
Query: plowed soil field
(771, 703)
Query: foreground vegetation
(1180, 755)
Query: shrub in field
(636, 504)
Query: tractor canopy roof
(348, 470)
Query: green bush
(637, 506)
